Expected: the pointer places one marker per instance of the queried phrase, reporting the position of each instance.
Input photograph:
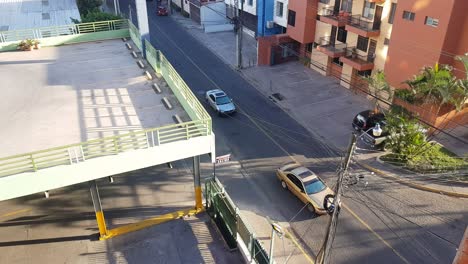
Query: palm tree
(434, 85)
(460, 96)
(380, 90)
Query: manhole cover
(278, 96)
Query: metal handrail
(336, 47)
(360, 22)
(340, 16)
(55, 31)
(79, 152)
(352, 53)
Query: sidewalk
(317, 102)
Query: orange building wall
(306, 13)
(456, 41)
(413, 44)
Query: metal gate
(234, 229)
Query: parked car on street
(306, 186)
(162, 11)
(220, 102)
(367, 119)
(372, 126)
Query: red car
(162, 11)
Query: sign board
(224, 158)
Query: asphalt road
(381, 223)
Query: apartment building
(349, 39)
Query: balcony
(333, 50)
(377, 1)
(357, 61)
(330, 16)
(359, 25)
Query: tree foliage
(405, 135)
(88, 6)
(379, 88)
(98, 16)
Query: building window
(392, 13)
(386, 42)
(325, 1)
(347, 6)
(279, 9)
(433, 22)
(342, 34)
(250, 2)
(408, 15)
(337, 61)
(291, 18)
(362, 43)
(309, 47)
(369, 10)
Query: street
(384, 222)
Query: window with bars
(362, 43)
(369, 10)
(291, 18)
(407, 15)
(347, 6)
(279, 9)
(391, 16)
(433, 22)
(309, 47)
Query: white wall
(213, 14)
(283, 20)
(251, 9)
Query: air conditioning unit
(270, 24)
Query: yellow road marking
(15, 212)
(101, 223)
(375, 233)
(293, 239)
(198, 197)
(149, 222)
(284, 150)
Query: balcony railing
(332, 49)
(329, 15)
(361, 26)
(358, 61)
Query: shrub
(405, 95)
(98, 16)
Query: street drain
(278, 96)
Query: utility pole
(324, 258)
(238, 29)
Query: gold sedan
(307, 186)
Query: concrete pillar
(197, 182)
(101, 221)
(143, 27)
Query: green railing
(76, 153)
(64, 30)
(184, 94)
(225, 214)
(135, 35)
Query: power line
(323, 67)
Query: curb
(412, 184)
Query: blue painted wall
(265, 9)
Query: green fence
(181, 90)
(65, 34)
(225, 214)
(135, 35)
(75, 153)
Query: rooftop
(21, 14)
(74, 93)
